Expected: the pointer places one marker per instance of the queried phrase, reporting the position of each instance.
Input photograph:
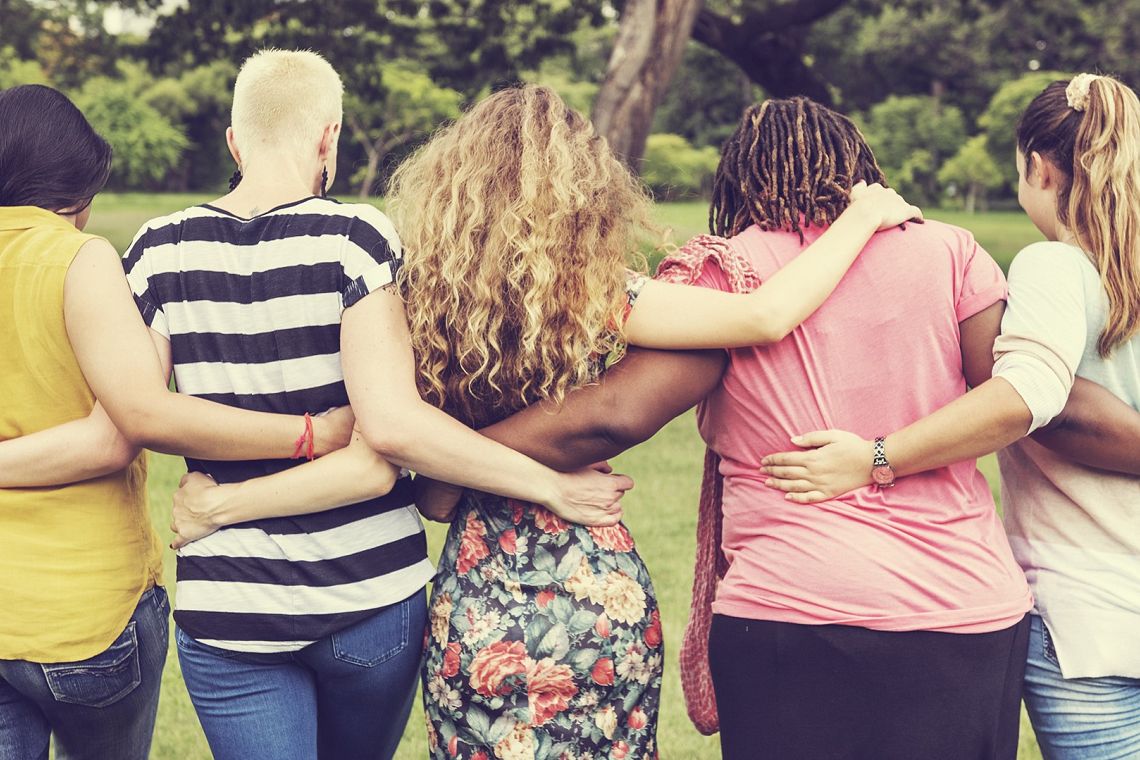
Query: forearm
(424, 439)
(87, 448)
(173, 423)
(344, 477)
(801, 286)
(435, 499)
(1096, 429)
(986, 419)
(558, 440)
(672, 316)
(127, 366)
(628, 405)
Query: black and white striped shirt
(252, 309)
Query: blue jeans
(1079, 718)
(344, 697)
(101, 707)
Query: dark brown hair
(790, 161)
(50, 156)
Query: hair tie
(1077, 93)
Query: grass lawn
(661, 511)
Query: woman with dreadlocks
(889, 623)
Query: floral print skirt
(545, 640)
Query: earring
(235, 180)
(324, 182)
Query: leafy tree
(16, 71)
(706, 98)
(466, 45)
(148, 145)
(675, 169)
(999, 121)
(765, 38)
(973, 170)
(911, 136)
(402, 105)
(578, 93)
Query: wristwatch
(881, 473)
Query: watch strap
(880, 453)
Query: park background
(936, 85)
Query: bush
(674, 169)
(911, 137)
(972, 172)
(15, 71)
(147, 144)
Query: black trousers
(835, 692)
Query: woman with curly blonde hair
(519, 223)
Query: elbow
(141, 428)
(119, 453)
(381, 478)
(770, 326)
(623, 427)
(392, 438)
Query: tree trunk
(972, 198)
(370, 173)
(649, 46)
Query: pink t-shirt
(882, 352)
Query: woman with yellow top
(83, 634)
(83, 617)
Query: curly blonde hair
(519, 225)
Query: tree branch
(768, 45)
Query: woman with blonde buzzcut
(519, 223)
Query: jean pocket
(187, 643)
(379, 638)
(101, 680)
(160, 600)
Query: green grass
(661, 510)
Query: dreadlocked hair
(790, 163)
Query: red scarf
(684, 267)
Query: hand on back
(884, 205)
(591, 496)
(831, 463)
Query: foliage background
(926, 78)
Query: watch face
(883, 475)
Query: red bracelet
(304, 443)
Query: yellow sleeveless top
(74, 559)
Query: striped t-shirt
(252, 309)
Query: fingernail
(768, 482)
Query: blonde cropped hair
(284, 99)
(518, 224)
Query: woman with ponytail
(1074, 312)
